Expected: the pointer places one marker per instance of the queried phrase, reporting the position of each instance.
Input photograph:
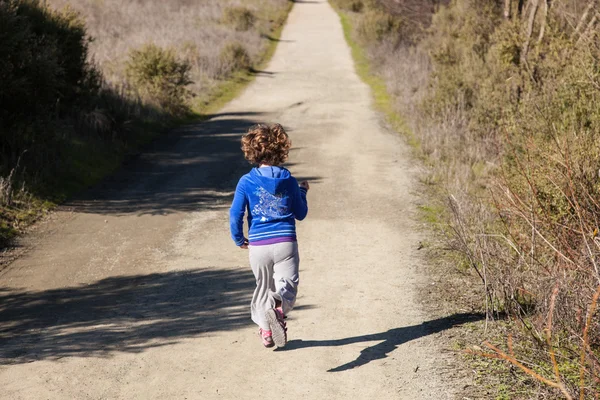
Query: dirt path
(136, 291)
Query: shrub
(458, 41)
(234, 57)
(375, 25)
(351, 5)
(240, 18)
(44, 76)
(356, 6)
(157, 76)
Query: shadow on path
(272, 39)
(262, 73)
(126, 314)
(390, 340)
(193, 168)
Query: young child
(274, 201)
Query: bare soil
(135, 290)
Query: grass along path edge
(382, 100)
(233, 87)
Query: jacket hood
(273, 179)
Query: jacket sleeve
(300, 203)
(236, 214)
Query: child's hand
(305, 185)
(245, 245)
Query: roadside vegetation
(501, 99)
(84, 83)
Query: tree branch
(507, 4)
(583, 18)
(545, 17)
(532, 13)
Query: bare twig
(584, 35)
(544, 18)
(588, 322)
(461, 235)
(507, 10)
(499, 354)
(583, 18)
(549, 334)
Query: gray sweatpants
(275, 267)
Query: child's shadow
(390, 339)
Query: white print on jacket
(269, 205)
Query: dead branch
(499, 354)
(588, 322)
(549, 334)
(579, 213)
(461, 233)
(544, 18)
(529, 31)
(507, 5)
(586, 33)
(540, 234)
(583, 18)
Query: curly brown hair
(266, 144)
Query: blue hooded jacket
(273, 200)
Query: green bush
(375, 25)
(351, 5)
(356, 6)
(240, 18)
(158, 77)
(44, 77)
(234, 57)
(458, 42)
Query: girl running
(274, 202)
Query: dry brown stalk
(461, 233)
(588, 322)
(527, 175)
(531, 20)
(499, 354)
(549, 334)
(544, 18)
(557, 382)
(537, 231)
(507, 5)
(6, 184)
(523, 206)
(578, 210)
(586, 33)
(583, 18)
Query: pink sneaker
(267, 337)
(278, 327)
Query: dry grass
(195, 29)
(459, 160)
